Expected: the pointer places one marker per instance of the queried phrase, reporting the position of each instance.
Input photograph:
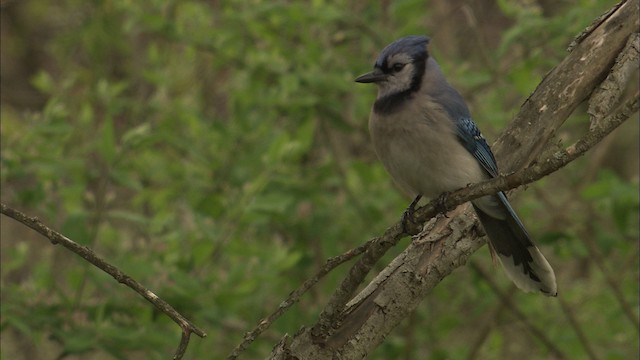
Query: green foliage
(218, 153)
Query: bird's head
(399, 67)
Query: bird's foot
(441, 203)
(407, 216)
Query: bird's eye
(397, 67)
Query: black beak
(372, 77)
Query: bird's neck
(391, 102)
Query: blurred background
(218, 152)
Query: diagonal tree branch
(378, 246)
(294, 297)
(353, 329)
(86, 253)
(519, 178)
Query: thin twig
(485, 331)
(90, 256)
(378, 247)
(507, 301)
(568, 312)
(536, 171)
(295, 295)
(594, 25)
(596, 256)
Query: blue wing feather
(470, 136)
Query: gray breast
(419, 148)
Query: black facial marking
(391, 102)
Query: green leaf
(136, 135)
(43, 82)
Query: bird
(423, 133)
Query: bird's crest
(415, 46)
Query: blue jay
(423, 133)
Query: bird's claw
(441, 204)
(407, 216)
